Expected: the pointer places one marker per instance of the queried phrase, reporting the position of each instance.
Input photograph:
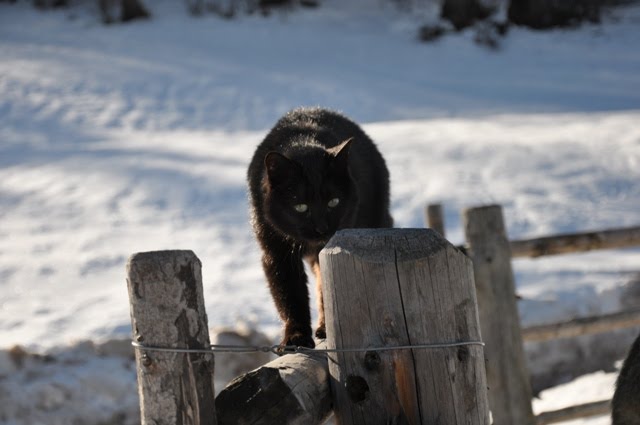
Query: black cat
(314, 173)
(625, 406)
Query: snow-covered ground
(136, 137)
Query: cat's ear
(341, 154)
(280, 168)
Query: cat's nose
(322, 228)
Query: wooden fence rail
(485, 254)
(561, 244)
(574, 412)
(576, 242)
(582, 326)
(623, 237)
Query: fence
(491, 252)
(406, 347)
(406, 302)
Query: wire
(284, 349)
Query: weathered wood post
(435, 218)
(167, 310)
(292, 389)
(507, 375)
(402, 287)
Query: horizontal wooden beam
(574, 412)
(292, 389)
(576, 242)
(582, 326)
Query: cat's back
(325, 126)
(316, 118)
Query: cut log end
(292, 389)
(368, 244)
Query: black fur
(310, 157)
(625, 406)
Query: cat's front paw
(321, 332)
(297, 339)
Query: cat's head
(308, 191)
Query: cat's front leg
(321, 331)
(288, 284)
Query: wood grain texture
(293, 389)
(507, 375)
(392, 287)
(582, 326)
(576, 242)
(594, 408)
(167, 310)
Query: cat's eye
(333, 203)
(301, 207)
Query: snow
(588, 388)
(127, 138)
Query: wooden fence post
(435, 218)
(507, 375)
(167, 310)
(398, 287)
